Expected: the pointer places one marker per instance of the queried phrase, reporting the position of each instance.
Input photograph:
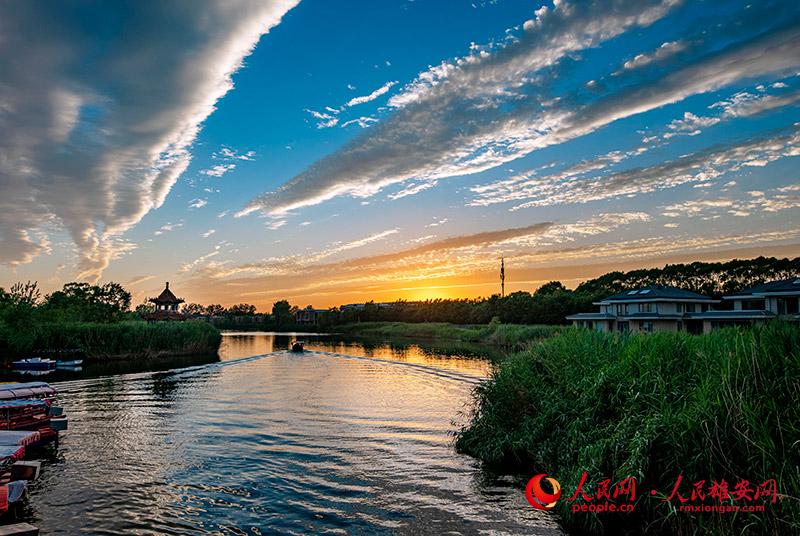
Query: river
(346, 438)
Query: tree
(91, 303)
(282, 312)
(194, 309)
(552, 287)
(215, 309)
(144, 309)
(242, 309)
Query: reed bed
(506, 335)
(722, 405)
(118, 340)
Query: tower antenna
(502, 277)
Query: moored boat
(34, 363)
(297, 346)
(69, 364)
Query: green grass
(507, 335)
(119, 340)
(723, 405)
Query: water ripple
(321, 443)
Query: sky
(339, 152)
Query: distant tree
(552, 287)
(26, 294)
(82, 301)
(144, 309)
(215, 309)
(242, 309)
(282, 312)
(194, 309)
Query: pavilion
(166, 305)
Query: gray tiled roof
(786, 285)
(652, 292)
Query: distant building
(759, 303)
(663, 308)
(648, 309)
(166, 305)
(309, 315)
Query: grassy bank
(723, 405)
(507, 335)
(118, 340)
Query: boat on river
(34, 363)
(69, 364)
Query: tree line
(23, 303)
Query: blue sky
(335, 152)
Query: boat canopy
(20, 438)
(11, 391)
(16, 404)
(10, 453)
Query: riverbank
(114, 340)
(494, 333)
(709, 407)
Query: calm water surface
(355, 440)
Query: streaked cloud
(699, 168)
(92, 145)
(505, 96)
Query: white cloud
(661, 53)
(208, 233)
(324, 119)
(412, 189)
(362, 122)
(89, 144)
(198, 203)
(488, 109)
(355, 101)
(219, 170)
(167, 227)
(228, 153)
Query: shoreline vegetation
(509, 336)
(132, 339)
(710, 407)
(95, 320)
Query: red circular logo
(538, 497)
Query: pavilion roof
(166, 296)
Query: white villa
(664, 308)
(648, 309)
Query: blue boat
(35, 363)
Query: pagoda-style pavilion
(166, 306)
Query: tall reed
(722, 405)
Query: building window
(679, 307)
(647, 327)
(598, 326)
(689, 307)
(645, 307)
(753, 305)
(623, 327)
(787, 306)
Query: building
(648, 309)
(759, 303)
(664, 308)
(166, 305)
(309, 315)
